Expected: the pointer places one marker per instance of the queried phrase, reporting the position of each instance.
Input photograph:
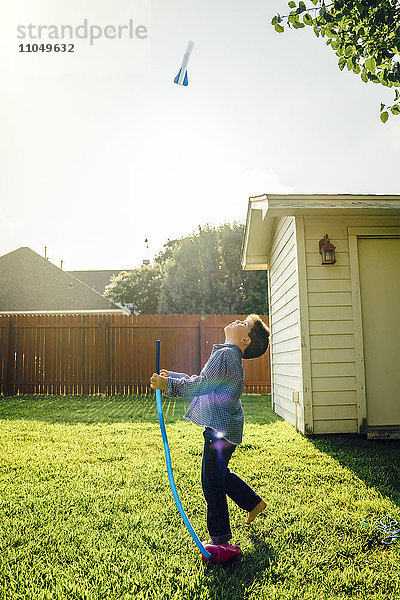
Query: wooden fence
(109, 354)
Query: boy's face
(238, 331)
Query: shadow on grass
(376, 462)
(232, 580)
(116, 409)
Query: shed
(335, 328)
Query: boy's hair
(259, 335)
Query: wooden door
(379, 264)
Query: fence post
(7, 358)
(103, 366)
(203, 353)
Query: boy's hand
(164, 372)
(158, 382)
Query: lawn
(86, 510)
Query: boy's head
(259, 336)
(251, 335)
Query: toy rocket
(182, 78)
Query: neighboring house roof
(97, 280)
(29, 282)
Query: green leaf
(360, 7)
(395, 109)
(276, 19)
(292, 4)
(350, 64)
(342, 62)
(302, 7)
(307, 19)
(396, 95)
(370, 64)
(279, 28)
(384, 117)
(382, 76)
(349, 50)
(382, 106)
(298, 25)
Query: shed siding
(333, 368)
(284, 320)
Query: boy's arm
(212, 376)
(160, 381)
(177, 375)
(166, 374)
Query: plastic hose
(192, 532)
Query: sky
(101, 150)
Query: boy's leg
(216, 455)
(244, 496)
(240, 492)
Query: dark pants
(218, 482)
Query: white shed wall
(284, 320)
(332, 345)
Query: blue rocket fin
(177, 77)
(185, 79)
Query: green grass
(86, 511)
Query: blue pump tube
(192, 532)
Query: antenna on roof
(146, 260)
(45, 252)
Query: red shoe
(221, 553)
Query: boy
(216, 406)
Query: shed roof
(29, 282)
(263, 209)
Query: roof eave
(264, 209)
(330, 205)
(258, 230)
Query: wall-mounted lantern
(327, 251)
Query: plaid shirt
(216, 392)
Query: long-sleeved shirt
(216, 392)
